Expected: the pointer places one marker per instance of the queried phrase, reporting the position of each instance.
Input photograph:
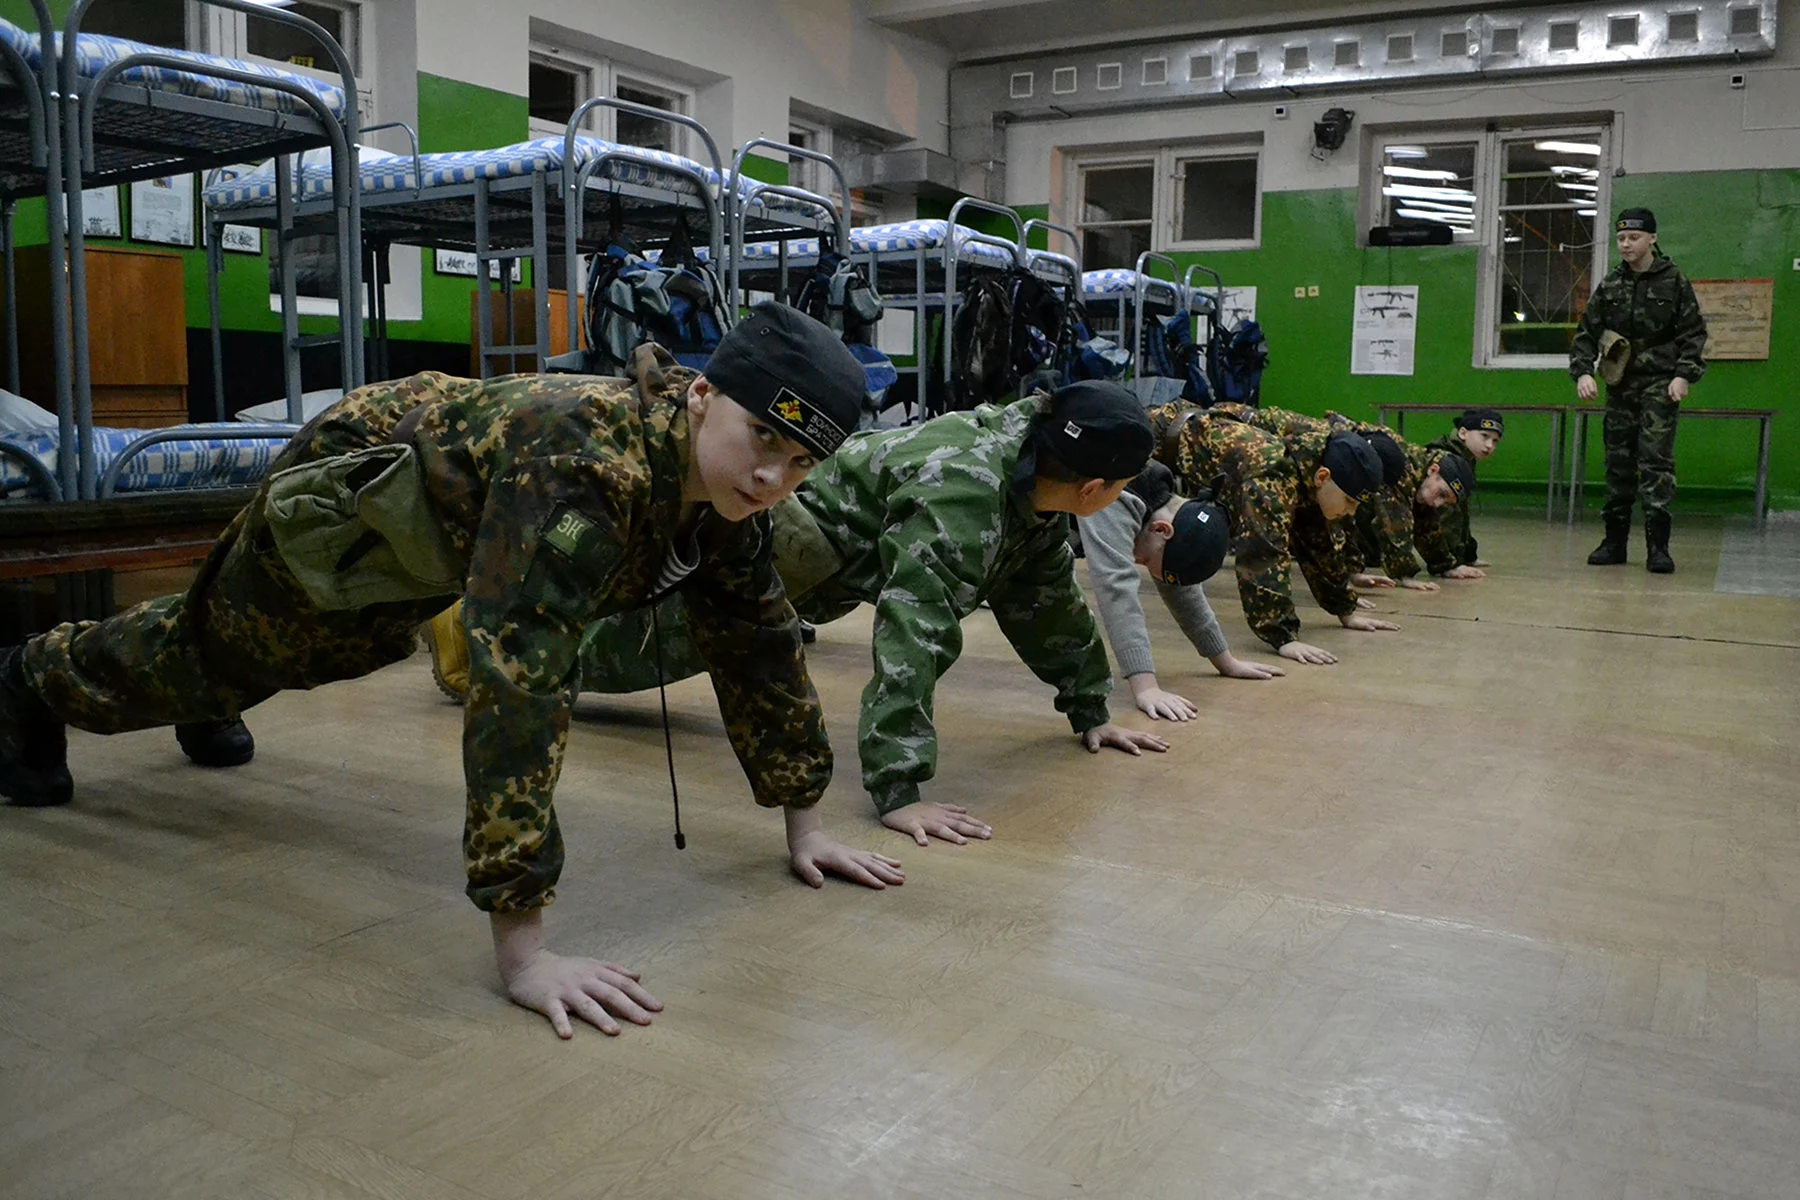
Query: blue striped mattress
(1060, 265)
(1123, 282)
(207, 461)
(94, 51)
(898, 241)
(385, 174)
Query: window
(272, 40)
(1529, 201)
(1117, 207)
(808, 173)
(158, 22)
(560, 81)
(1177, 198)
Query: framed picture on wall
(162, 210)
(99, 213)
(461, 262)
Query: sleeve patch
(567, 531)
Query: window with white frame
(562, 80)
(1530, 201)
(1176, 198)
(806, 172)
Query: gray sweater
(1107, 538)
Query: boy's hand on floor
(1129, 740)
(1157, 704)
(923, 821)
(1232, 667)
(594, 991)
(1301, 652)
(1364, 602)
(1366, 624)
(814, 855)
(1465, 573)
(1370, 579)
(1418, 585)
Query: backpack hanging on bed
(981, 344)
(1082, 355)
(838, 296)
(1238, 359)
(1186, 360)
(675, 302)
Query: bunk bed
(1130, 306)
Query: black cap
(793, 372)
(1455, 470)
(1097, 429)
(1640, 219)
(1354, 466)
(1482, 418)
(1393, 458)
(1155, 485)
(1196, 550)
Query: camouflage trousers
(243, 631)
(1640, 448)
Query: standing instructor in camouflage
(1642, 332)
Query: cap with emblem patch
(794, 373)
(1485, 419)
(1354, 466)
(1393, 458)
(1455, 470)
(1097, 429)
(1640, 219)
(1196, 549)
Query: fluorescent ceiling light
(1417, 173)
(1414, 192)
(1587, 212)
(1408, 152)
(1577, 187)
(1574, 171)
(273, 3)
(1439, 206)
(1426, 214)
(1512, 238)
(1568, 147)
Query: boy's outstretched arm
(560, 986)
(813, 854)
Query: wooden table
(1556, 412)
(1764, 417)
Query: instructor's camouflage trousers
(1640, 448)
(243, 631)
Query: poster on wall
(1384, 330)
(241, 239)
(162, 210)
(460, 262)
(99, 213)
(1237, 306)
(1738, 313)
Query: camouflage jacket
(1274, 518)
(564, 494)
(1656, 310)
(1445, 541)
(928, 526)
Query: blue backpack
(1175, 356)
(675, 302)
(1238, 359)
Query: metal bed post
(75, 239)
(381, 274)
(921, 332)
(215, 266)
(739, 204)
(12, 296)
(1140, 293)
(484, 311)
(50, 102)
(540, 266)
(953, 247)
(290, 318)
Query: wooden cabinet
(137, 335)
(524, 305)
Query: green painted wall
(1723, 225)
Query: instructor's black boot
(1611, 550)
(1656, 544)
(34, 748)
(217, 743)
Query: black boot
(34, 748)
(808, 634)
(1656, 545)
(1611, 550)
(217, 743)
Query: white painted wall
(749, 56)
(1676, 119)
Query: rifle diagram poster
(1737, 312)
(1385, 330)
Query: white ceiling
(988, 28)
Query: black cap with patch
(1097, 429)
(792, 372)
(1354, 466)
(1640, 219)
(1482, 418)
(1393, 458)
(1455, 470)
(1196, 550)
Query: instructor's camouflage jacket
(1654, 308)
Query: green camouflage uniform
(561, 497)
(924, 524)
(1275, 519)
(1452, 543)
(1381, 533)
(1656, 310)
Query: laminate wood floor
(1505, 905)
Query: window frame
(1166, 164)
(1374, 206)
(605, 76)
